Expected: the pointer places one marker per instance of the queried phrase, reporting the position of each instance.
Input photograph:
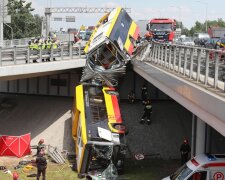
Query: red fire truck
(162, 29)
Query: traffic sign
(70, 18)
(57, 19)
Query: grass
(148, 169)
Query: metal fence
(25, 55)
(16, 42)
(201, 65)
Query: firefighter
(41, 165)
(184, 151)
(144, 93)
(40, 146)
(147, 113)
(131, 97)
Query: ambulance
(201, 167)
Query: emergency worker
(40, 146)
(147, 112)
(41, 165)
(184, 151)
(144, 93)
(131, 97)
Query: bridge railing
(25, 55)
(16, 42)
(205, 66)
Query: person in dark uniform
(41, 165)
(144, 93)
(131, 97)
(184, 151)
(40, 146)
(147, 112)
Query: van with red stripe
(201, 167)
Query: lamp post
(206, 14)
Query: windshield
(160, 26)
(181, 173)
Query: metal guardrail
(205, 66)
(16, 42)
(24, 55)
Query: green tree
(23, 23)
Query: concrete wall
(133, 81)
(57, 85)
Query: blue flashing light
(211, 157)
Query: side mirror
(147, 27)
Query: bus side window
(198, 176)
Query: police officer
(147, 112)
(184, 151)
(41, 165)
(144, 93)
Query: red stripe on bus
(116, 109)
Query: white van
(201, 167)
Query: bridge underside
(21, 71)
(201, 102)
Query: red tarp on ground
(15, 145)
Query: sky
(188, 11)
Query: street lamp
(206, 14)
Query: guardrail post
(154, 53)
(70, 50)
(28, 55)
(216, 69)
(199, 56)
(51, 56)
(170, 54)
(191, 63)
(158, 58)
(165, 60)
(179, 60)
(79, 49)
(40, 53)
(162, 52)
(185, 61)
(14, 54)
(206, 66)
(174, 57)
(0, 56)
(61, 47)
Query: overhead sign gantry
(49, 11)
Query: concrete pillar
(1, 34)
(200, 137)
(193, 135)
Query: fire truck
(162, 30)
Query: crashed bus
(98, 129)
